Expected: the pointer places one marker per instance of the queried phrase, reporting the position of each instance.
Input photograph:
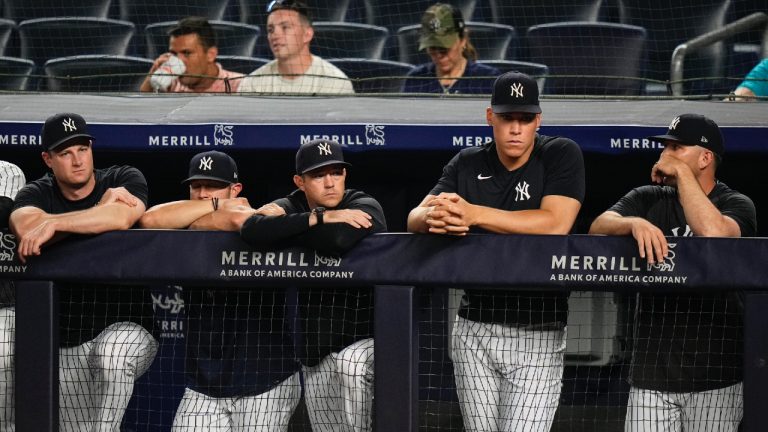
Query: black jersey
(687, 342)
(330, 319)
(238, 342)
(555, 167)
(86, 309)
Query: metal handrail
(699, 42)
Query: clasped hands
(448, 213)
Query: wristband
(319, 213)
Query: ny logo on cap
(674, 123)
(206, 163)
(435, 24)
(324, 149)
(516, 90)
(69, 125)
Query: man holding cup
(190, 65)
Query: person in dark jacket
(335, 340)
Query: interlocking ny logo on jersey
(674, 123)
(69, 125)
(324, 149)
(516, 90)
(521, 192)
(206, 163)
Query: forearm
(555, 215)
(260, 230)
(176, 215)
(146, 87)
(99, 219)
(521, 222)
(704, 219)
(417, 220)
(224, 219)
(611, 223)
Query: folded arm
(448, 213)
(650, 239)
(35, 228)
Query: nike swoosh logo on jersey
(482, 177)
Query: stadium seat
(241, 64)
(394, 15)
(492, 41)
(536, 70)
(143, 13)
(523, 14)
(96, 73)
(46, 38)
(6, 28)
(14, 73)
(374, 76)
(338, 39)
(677, 25)
(589, 48)
(22, 10)
(235, 39)
(255, 11)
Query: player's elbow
(149, 220)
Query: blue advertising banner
(574, 262)
(608, 139)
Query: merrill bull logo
(328, 261)
(7, 247)
(668, 264)
(222, 135)
(374, 135)
(165, 302)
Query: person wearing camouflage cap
(454, 68)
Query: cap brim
(503, 109)
(446, 41)
(63, 141)
(669, 138)
(202, 177)
(326, 163)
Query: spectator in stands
(193, 41)
(687, 356)
(241, 372)
(508, 347)
(453, 68)
(11, 181)
(104, 343)
(755, 83)
(337, 349)
(294, 70)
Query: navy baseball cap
(515, 92)
(694, 129)
(62, 128)
(212, 165)
(319, 153)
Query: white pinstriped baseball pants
(95, 379)
(267, 412)
(507, 378)
(339, 391)
(717, 410)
